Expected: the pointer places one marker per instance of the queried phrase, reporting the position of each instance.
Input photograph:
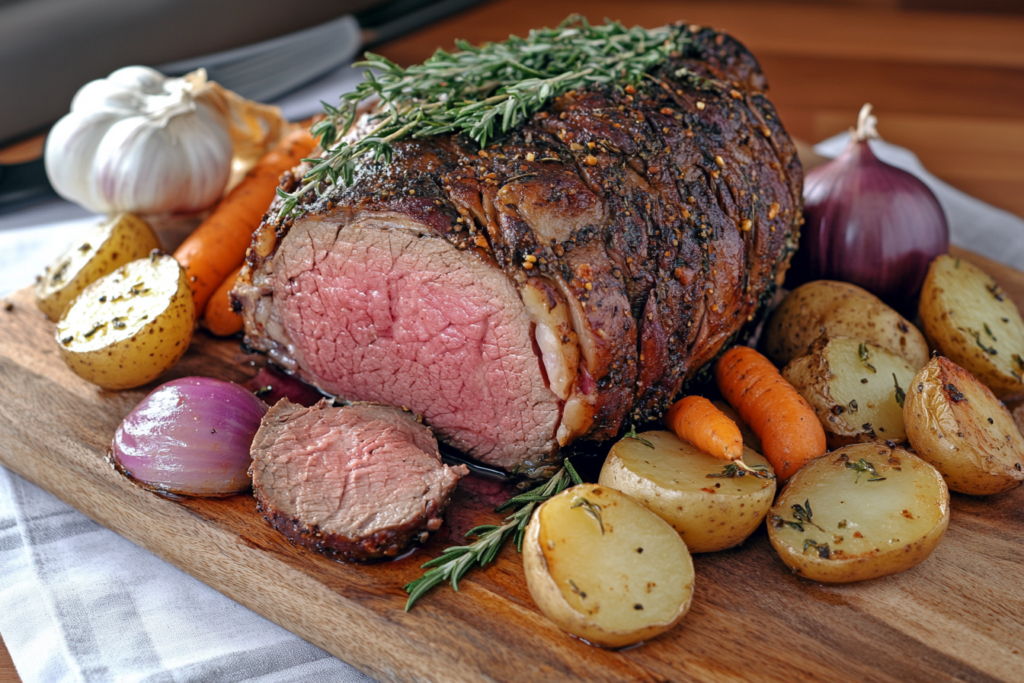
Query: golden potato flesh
(128, 327)
(839, 309)
(858, 513)
(712, 506)
(970, 319)
(959, 426)
(606, 569)
(852, 386)
(102, 249)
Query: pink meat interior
(380, 310)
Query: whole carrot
(220, 318)
(698, 421)
(218, 245)
(790, 432)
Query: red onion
(190, 436)
(870, 223)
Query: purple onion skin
(190, 436)
(871, 224)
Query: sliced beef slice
(358, 482)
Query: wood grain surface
(956, 616)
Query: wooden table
(948, 85)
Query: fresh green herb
(996, 291)
(901, 396)
(987, 349)
(96, 328)
(863, 466)
(822, 548)
(988, 331)
(590, 508)
(480, 91)
(803, 515)
(576, 590)
(862, 351)
(455, 561)
(631, 434)
(957, 265)
(732, 470)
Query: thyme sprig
(480, 91)
(455, 561)
(740, 469)
(862, 466)
(802, 514)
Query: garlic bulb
(140, 142)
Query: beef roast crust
(665, 214)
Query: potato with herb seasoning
(855, 388)
(970, 319)
(958, 425)
(839, 309)
(712, 504)
(100, 250)
(606, 569)
(130, 326)
(858, 513)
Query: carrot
(220, 318)
(790, 432)
(698, 421)
(218, 245)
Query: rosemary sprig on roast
(455, 561)
(480, 91)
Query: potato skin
(877, 562)
(839, 309)
(147, 348)
(958, 300)
(708, 518)
(852, 411)
(958, 425)
(101, 250)
(552, 603)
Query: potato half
(839, 309)
(968, 317)
(130, 326)
(852, 386)
(102, 249)
(859, 513)
(958, 425)
(685, 487)
(605, 568)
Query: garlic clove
(68, 156)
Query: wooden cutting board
(959, 615)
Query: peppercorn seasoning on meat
(654, 218)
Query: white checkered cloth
(80, 603)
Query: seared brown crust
(380, 545)
(668, 212)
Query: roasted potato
(852, 386)
(858, 513)
(101, 250)
(968, 318)
(958, 425)
(129, 326)
(839, 309)
(712, 506)
(606, 569)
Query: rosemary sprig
(455, 561)
(480, 91)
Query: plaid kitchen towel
(80, 603)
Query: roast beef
(357, 482)
(557, 285)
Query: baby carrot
(790, 432)
(698, 421)
(218, 245)
(219, 317)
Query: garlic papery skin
(140, 142)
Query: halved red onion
(869, 223)
(190, 436)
